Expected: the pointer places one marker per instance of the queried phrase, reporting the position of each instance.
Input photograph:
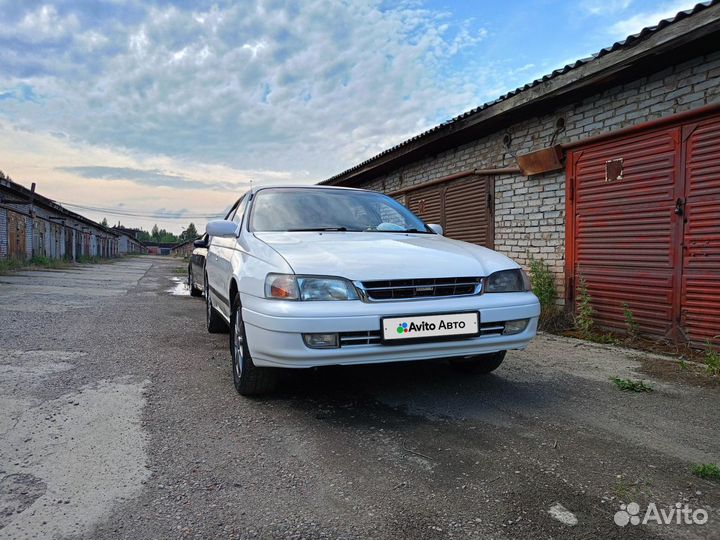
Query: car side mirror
(437, 229)
(200, 243)
(221, 228)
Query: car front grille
(409, 289)
(373, 337)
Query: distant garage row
(606, 169)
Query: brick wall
(3, 234)
(530, 212)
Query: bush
(552, 317)
(543, 283)
(584, 317)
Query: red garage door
(645, 229)
(700, 299)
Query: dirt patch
(690, 373)
(17, 493)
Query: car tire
(194, 291)
(249, 380)
(215, 323)
(482, 363)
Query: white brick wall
(3, 234)
(530, 212)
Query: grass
(629, 385)
(630, 323)
(623, 490)
(584, 317)
(543, 283)
(708, 471)
(41, 261)
(632, 491)
(712, 360)
(553, 318)
(10, 265)
(605, 339)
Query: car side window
(240, 211)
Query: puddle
(180, 288)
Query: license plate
(431, 326)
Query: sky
(161, 111)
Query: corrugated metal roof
(625, 43)
(10, 185)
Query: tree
(104, 222)
(155, 233)
(189, 234)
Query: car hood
(375, 256)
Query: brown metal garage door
(463, 207)
(16, 235)
(645, 229)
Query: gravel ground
(118, 419)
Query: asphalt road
(118, 419)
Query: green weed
(708, 471)
(712, 359)
(629, 385)
(631, 324)
(584, 317)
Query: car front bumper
(274, 329)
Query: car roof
(255, 189)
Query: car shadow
(425, 388)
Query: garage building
(607, 169)
(32, 225)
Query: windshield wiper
(318, 229)
(398, 231)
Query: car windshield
(297, 209)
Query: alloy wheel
(238, 346)
(208, 304)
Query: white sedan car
(316, 276)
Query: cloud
(154, 177)
(172, 213)
(249, 86)
(633, 25)
(21, 92)
(605, 7)
(48, 160)
(44, 24)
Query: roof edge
(49, 204)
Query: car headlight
(292, 287)
(507, 281)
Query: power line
(140, 214)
